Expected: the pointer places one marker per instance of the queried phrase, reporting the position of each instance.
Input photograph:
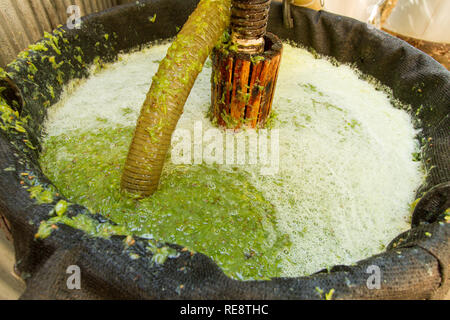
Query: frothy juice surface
(330, 182)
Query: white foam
(346, 172)
(106, 95)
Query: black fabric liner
(414, 266)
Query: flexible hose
(169, 91)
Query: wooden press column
(245, 72)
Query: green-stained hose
(169, 91)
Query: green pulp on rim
(220, 215)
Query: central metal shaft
(249, 23)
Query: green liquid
(207, 209)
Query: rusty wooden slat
(274, 85)
(241, 75)
(269, 87)
(255, 96)
(229, 78)
(265, 74)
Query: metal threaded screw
(249, 23)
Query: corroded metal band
(249, 23)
